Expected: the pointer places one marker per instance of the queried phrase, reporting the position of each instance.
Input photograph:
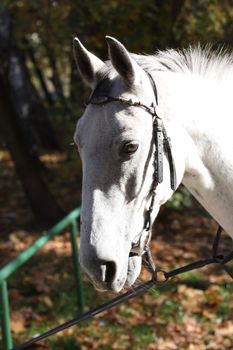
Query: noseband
(162, 144)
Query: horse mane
(205, 62)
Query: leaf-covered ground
(192, 312)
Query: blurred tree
(33, 119)
(38, 72)
(19, 110)
(205, 21)
(42, 203)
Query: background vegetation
(41, 97)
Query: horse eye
(129, 148)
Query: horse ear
(122, 62)
(87, 63)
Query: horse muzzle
(110, 274)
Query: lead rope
(216, 259)
(89, 314)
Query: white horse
(115, 141)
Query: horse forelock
(107, 78)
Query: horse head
(116, 144)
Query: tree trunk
(56, 80)
(33, 116)
(42, 203)
(39, 74)
(34, 122)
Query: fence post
(5, 317)
(77, 273)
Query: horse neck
(192, 107)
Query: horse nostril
(108, 271)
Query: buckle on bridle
(142, 245)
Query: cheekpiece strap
(162, 141)
(167, 149)
(153, 87)
(158, 139)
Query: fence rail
(22, 258)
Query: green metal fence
(13, 265)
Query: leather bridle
(162, 145)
